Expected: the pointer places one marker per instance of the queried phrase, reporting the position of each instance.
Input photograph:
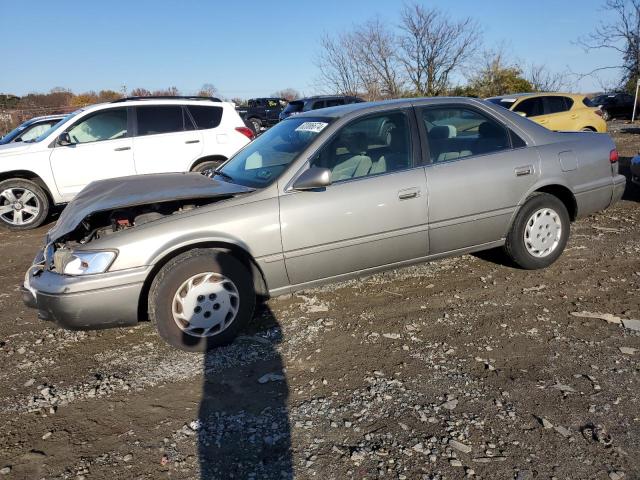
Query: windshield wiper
(222, 174)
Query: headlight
(72, 262)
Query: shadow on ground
(244, 425)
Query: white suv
(126, 137)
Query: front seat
(491, 138)
(357, 163)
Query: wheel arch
(565, 195)
(259, 280)
(28, 175)
(207, 158)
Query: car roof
(141, 101)
(47, 117)
(518, 96)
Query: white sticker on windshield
(315, 127)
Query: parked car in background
(31, 129)
(556, 111)
(319, 197)
(315, 103)
(614, 105)
(262, 112)
(125, 137)
(635, 169)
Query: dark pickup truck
(262, 112)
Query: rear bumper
(93, 302)
(619, 184)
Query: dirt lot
(463, 367)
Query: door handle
(522, 171)
(192, 141)
(121, 149)
(408, 193)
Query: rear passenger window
(335, 102)
(206, 117)
(555, 105)
(531, 107)
(317, 105)
(457, 132)
(370, 146)
(160, 119)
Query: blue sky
(251, 47)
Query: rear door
(532, 108)
(557, 114)
(165, 140)
(101, 147)
(477, 174)
(373, 214)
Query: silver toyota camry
(320, 197)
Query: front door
(479, 172)
(373, 214)
(165, 140)
(101, 147)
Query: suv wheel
(207, 166)
(606, 116)
(539, 233)
(23, 204)
(201, 299)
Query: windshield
(262, 161)
(12, 134)
(503, 102)
(48, 132)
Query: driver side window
(108, 124)
(371, 146)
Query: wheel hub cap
(205, 304)
(543, 232)
(18, 206)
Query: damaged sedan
(322, 196)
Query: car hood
(137, 190)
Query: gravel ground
(461, 368)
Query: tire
(256, 125)
(171, 295)
(525, 246)
(606, 116)
(18, 215)
(202, 167)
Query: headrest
(439, 133)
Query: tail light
(613, 156)
(247, 132)
(598, 112)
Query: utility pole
(635, 103)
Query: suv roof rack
(167, 97)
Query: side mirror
(522, 114)
(64, 139)
(313, 178)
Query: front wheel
(256, 125)
(207, 166)
(201, 299)
(23, 204)
(539, 232)
(606, 116)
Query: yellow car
(556, 111)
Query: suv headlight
(81, 262)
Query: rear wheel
(207, 165)
(606, 116)
(256, 125)
(23, 204)
(201, 299)
(539, 233)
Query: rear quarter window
(205, 117)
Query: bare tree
(621, 34)
(433, 47)
(338, 66)
(376, 53)
(168, 92)
(140, 92)
(544, 80)
(288, 94)
(208, 90)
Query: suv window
(532, 107)
(335, 102)
(104, 125)
(36, 130)
(317, 104)
(370, 146)
(205, 117)
(156, 119)
(458, 132)
(556, 105)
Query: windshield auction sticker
(315, 127)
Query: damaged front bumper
(104, 300)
